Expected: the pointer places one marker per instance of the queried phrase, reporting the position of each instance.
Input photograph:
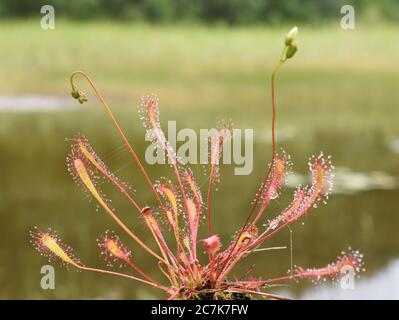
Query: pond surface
(36, 190)
(382, 285)
(35, 103)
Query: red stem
(268, 172)
(135, 267)
(125, 276)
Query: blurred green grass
(339, 78)
(339, 93)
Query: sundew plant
(179, 208)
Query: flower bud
(212, 244)
(292, 49)
(75, 94)
(291, 35)
(82, 98)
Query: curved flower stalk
(180, 205)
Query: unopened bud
(292, 49)
(75, 94)
(212, 244)
(82, 97)
(291, 35)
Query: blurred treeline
(205, 11)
